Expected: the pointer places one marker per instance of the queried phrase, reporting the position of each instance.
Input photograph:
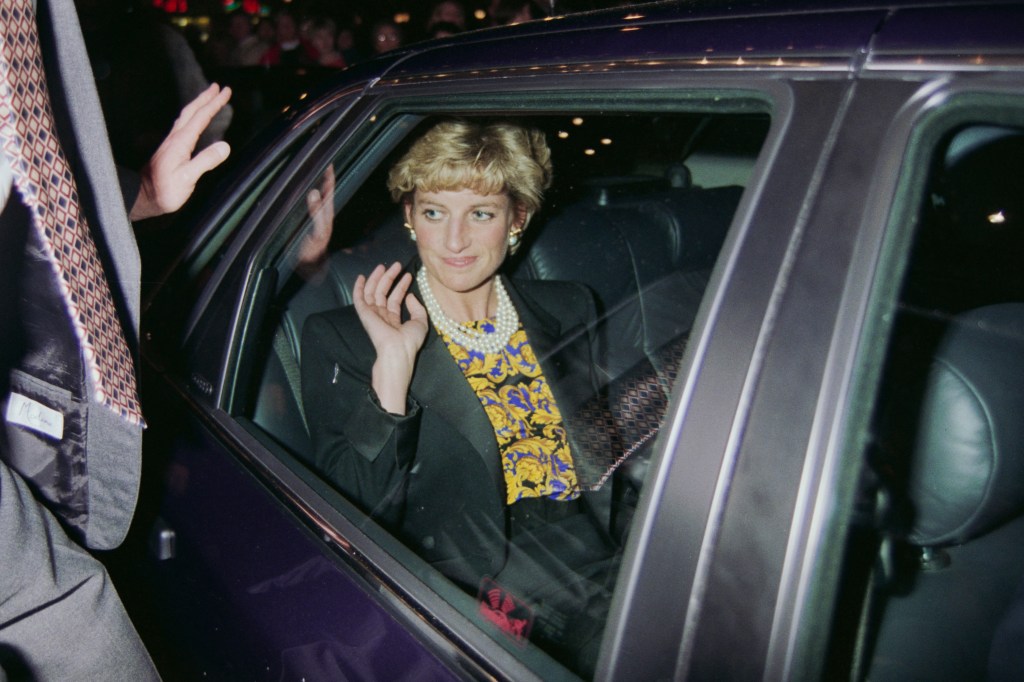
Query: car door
(219, 566)
(832, 445)
(278, 573)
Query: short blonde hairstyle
(488, 159)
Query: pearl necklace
(507, 320)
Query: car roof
(842, 37)
(814, 34)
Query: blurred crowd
(148, 62)
(147, 66)
(325, 34)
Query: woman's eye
(483, 215)
(431, 214)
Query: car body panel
(275, 599)
(717, 405)
(949, 31)
(780, 421)
(726, 43)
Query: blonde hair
(488, 159)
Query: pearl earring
(412, 231)
(513, 241)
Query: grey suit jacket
(433, 476)
(89, 476)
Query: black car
(803, 228)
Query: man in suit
(69, 463)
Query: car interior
(947, 595)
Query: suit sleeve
(131, 184)
(363, 450)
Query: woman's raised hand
(378, 300)
(313, 248)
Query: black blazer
(433, 476)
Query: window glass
(946, 455)
(507, 475)
(188, 280)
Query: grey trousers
(60, 617)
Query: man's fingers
(189, 110)
(207, 160)
(196, 117)
(199, 120)
(328, 185)
(313, 200)
(214, 97)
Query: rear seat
(647, 259)
(648, 263)
(646, 256)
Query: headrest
(967, 472)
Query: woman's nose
(456, 235)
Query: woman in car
(439, 400)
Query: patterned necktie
(45, 182)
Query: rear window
(607, 280)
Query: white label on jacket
(31, 414)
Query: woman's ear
(515, 233)
(407, 210)
(522, 218)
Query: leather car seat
(646, 254)
(966, 488)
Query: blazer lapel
(563, 352)
(565, 356)
(542, 329)
(440, 386)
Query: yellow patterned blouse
(531, 436)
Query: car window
(935, 569)
(190, 278)
(607, 281)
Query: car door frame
(706, 411)
(805, 459)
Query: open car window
(638, 212)
(932, 579)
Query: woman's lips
(460, 262)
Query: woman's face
(462, 238)
(285, 28)
(449, 12)
(323, 40)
